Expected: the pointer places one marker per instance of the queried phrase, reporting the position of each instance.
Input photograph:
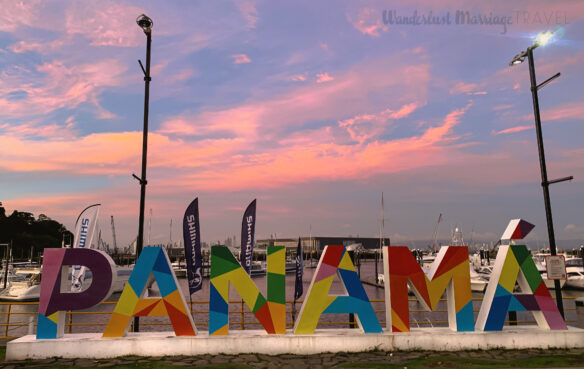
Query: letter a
(335, 260)
(152, 260)
(514, 264)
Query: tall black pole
(143, 182)
(544, 179)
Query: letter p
(55, 292)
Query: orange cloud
(317, 157)
(323, 77)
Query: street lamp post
(542, 39)
(146, 24)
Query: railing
(238, 313)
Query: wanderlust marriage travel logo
(465, 17)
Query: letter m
(450, 271)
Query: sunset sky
(313, 108)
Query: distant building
(317, 244)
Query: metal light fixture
(145, 23)
(518, 59)
(541, 40)
(544, 38)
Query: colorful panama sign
(450, 272)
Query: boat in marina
(180, 270)
(575, 273)
(28, 287)
(258, 268)
(478, 283)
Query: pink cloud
(463, 88)
(323, 77)
(318, 157)
(572, 110)
(466, 88)
(240, 59)
(367, 126)
(39, 47)
(38, 130)
(180, 76)
(90, 19)
(400, 85)
(19, 13)
(249, 12)
(61, 86)
(298, 78)
(503, 107)
(368, 22)
(512, 130)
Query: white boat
(575, 273)
(258, 268)
(290, 266)
(478, 283)
(180, 270)
(28, 289)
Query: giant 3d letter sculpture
(53, 299)
(152, 261)
(336, 261)
(450, 271)
(514, 264)
(225, 270)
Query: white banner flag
(84, 228)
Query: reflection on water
(23, 317)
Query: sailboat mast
(149, 226)
(382, 225)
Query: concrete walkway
(379, 359)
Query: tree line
(30, 235)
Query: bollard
(580, 311)
(352, 323)
(512, 318)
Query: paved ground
(497, 358)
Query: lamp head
(543, 38)
(518, 59)
(145, 23)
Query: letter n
(56, 295)
(335, 260)
(514, 264)
(152, 261)
(226, 270)
(450, 271)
